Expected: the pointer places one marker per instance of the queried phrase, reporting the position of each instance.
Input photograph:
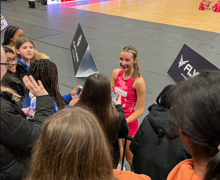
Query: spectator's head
(11, 58)
(165, 96)
(96, 96)
(46, 71)
(4, 66)
(71, 146)
(128, 60)
(24, 48)
(97, 90)
(3, 60)
(11, 35)
(196, 113)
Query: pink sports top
(217, 7)
(202, 6)
(128, 99)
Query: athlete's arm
(114, 76)
(140, 87)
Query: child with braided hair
(11, 35)
(46, 71)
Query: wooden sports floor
(172, 12)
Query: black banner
(78, 48)
(187, 64)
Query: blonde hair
(15, 96)
(38, 56)
(72, 146)
(133, 50)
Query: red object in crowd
(202, 6)
(217, 7)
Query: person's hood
(183, 171)
(159, 119)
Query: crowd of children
(206, 5)
(84, 137)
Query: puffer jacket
(13, 81)
(153, 154)
(18, 135)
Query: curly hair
(9, 33)
(46, 71)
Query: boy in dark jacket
(153, 155)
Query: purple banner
(187, 64)
(4, 22)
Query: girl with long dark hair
(96, 97)
(196, 116)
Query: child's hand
(74, 101)
(25, 111)
(73, 92)
(37, 89)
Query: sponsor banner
(83, 62)
(59, 1)
(187, 64)
(53, 2)
(4, 22)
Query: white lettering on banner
(189, 68)
(75, 58)
(123, 93)
(79, 40)
(74, 45)
(191, 72)
(4, 24)
(184, 76)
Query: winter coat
(21, 69)
(18, 135)
(153, 154)
(13, 81)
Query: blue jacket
(27, 103)
(24, 64)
